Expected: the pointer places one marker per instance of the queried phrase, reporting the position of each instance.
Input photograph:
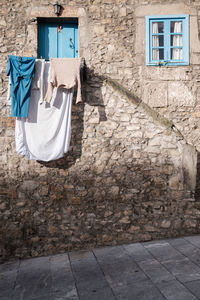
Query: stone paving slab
(194, 287)
(156, 271)
(166, 269)
(195, 240)
(174, 290)
(138, 252)
(187, 249)
(184, 270)
(8, 275)
(63, 284)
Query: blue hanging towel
(21, 71)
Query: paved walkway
(166, 269)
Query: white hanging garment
(46, 134)
(37, 82)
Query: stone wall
(130, 174)
(180, 100)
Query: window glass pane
(176, 26)
(176, 53)
(157, 27)
(157, 40)
(158, 54)
(176, 40)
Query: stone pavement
(165, 269)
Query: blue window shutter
(166, 20)
(55, 43)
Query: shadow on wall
(98, 209)
(125, 198)
(91, 94)
(197, 189)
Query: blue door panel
(58, 43)
(51, 42)
(66, 44)
(76, 42)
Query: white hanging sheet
(46, 134)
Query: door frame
(41, 21)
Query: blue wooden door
(58, 40)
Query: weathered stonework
(131, 171)
(182, 82)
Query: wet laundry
(45, 134)
(64, 73)
(21, 71)
(37, 82)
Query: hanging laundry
(21, 71)
(46, 134)
(64, 73)
(37, 82)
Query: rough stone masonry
(132, 170)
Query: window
(167, 40)
(58, 38)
